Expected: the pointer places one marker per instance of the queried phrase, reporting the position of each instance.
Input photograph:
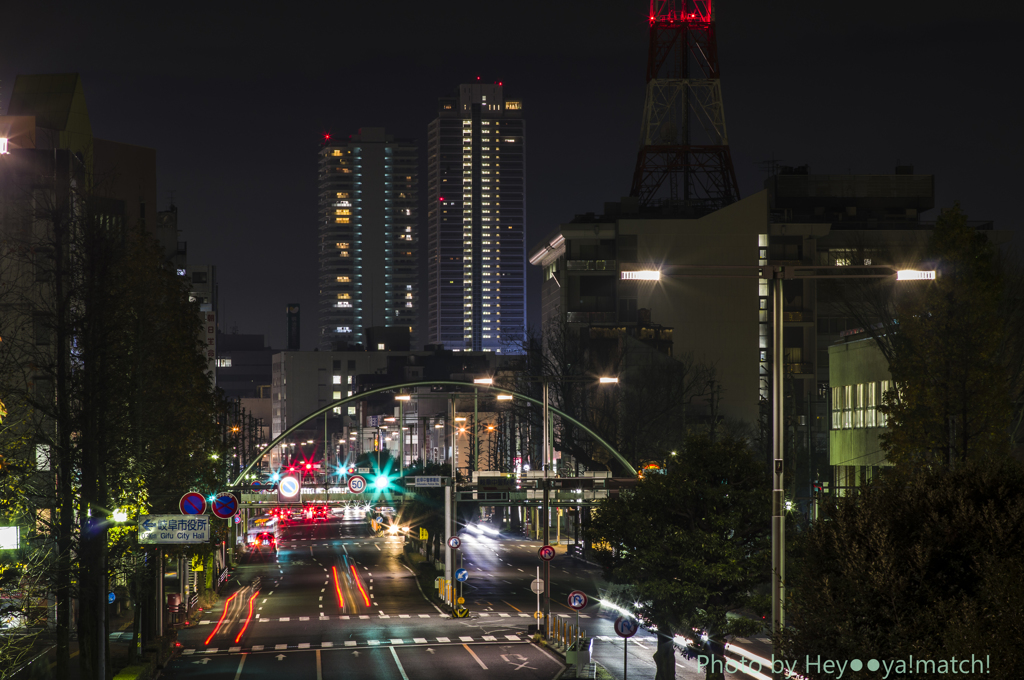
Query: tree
(689, 546)
(923, 562)
(953, 400)
(102, 352)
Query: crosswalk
(382, 615)
(347, 644)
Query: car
(264, 541)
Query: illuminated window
(336, 152)
(343, 211)
(344, 279)
(342, 194)
(223, 362)
(342, 220)
(336, 395)
(337, 380)
(342, 245)
(344, 296)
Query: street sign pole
(544, 515)
(576, 643)
(538, 599)
(448, 530)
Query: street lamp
(776, 274)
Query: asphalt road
(335, 600)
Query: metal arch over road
(426, 383)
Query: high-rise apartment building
(475, 215)
(368, 236)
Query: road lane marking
(257, 648)
(373, 642)
(397, 641)
(399, 664)
(277, 647)
(319, 667)
(513, 638)
(403, 616)
(241, 662)
(327, 644)
(504, 615)
(466, 638)
(420, 641)
(350, 643)
(443, 639)
(425, 616)
(473, 654)
(303, 645)
(513, 606)
(490, 638)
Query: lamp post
(546, 462)
(776, 274)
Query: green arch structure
(425, 383)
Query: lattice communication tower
(684, 161)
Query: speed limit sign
(356, 484)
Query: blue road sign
(111, 597)
(192, 503)
(225, 505)
(461, 575)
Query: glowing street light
(403, 397)
(504, 397)
(914, 275)
(483, 381)
(642, 275)
(608, 381)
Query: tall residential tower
(475, 216)
(368, 236)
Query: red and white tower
(684, 158)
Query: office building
(368, 228)
(476, 221)
(799, 219)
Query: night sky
(235, 100)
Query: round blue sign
(461, 575)
(111, 597)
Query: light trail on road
(359, 584)
(222, 615)
(337, 588)
(247, 619)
